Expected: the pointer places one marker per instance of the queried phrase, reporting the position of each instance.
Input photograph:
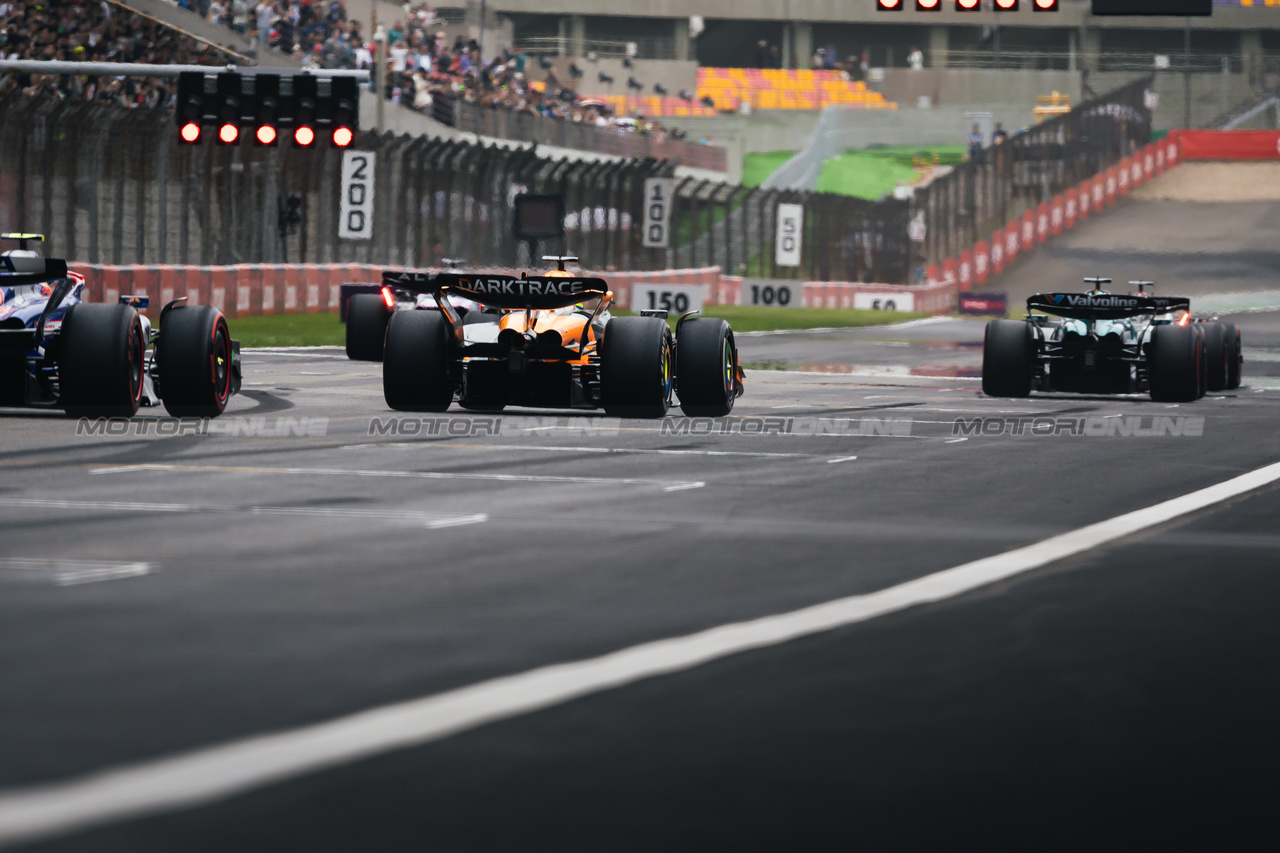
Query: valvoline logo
(1057, 298)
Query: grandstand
(749, 89)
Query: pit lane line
(201, 776)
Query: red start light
(228, 133)
(1046, 5)
(968, 5)
(190, 132)
(342, 137)
(266, 134)
(928, 5)
(889, 4)
(304, 135)
(1006, 5)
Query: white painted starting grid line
(667, 485)
(201, 776)
(559, 448)
(430, 520)
(71, 572)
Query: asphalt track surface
(227, 588)
(162, 594)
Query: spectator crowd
(425, 70)
(94, 31)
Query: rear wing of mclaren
(537, 292)
(1094, 306)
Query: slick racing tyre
(367, 317)
(635, 367)
(193, 357)
(101, 362)
(415, 363)
(1008, 354)
(706, 367)
(1217, 361)
(1174, 362)
(1235, 356)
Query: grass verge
(288, 330)
(757, 167)
(872, 172)
(313, 330)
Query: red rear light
(304, 136)
(1184, 319)
(190, 132)
(342, 137)
(388, 297)
(228, 133)
(266, 134)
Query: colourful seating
(759, 89)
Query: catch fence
(963, 206)
(110, 185)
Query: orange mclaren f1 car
(548, 341)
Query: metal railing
(992, 189)
(526, 127)
(112, 185)
(1199, 61)
(641, 47)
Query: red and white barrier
(1062, 212)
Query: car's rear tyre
(1008, 357)
(635, 367)
(1235, 356)
(102, 358)
(1175, 357)
(193, 358)
(706, 367)
(1216, 356)
(367, 318)
(415, 362)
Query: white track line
(72, 572)
(431, 445)
(430, 520)
(202, 776)
(403, 475)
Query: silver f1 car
(1102, 343)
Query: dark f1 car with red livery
(95, 360)
(1103, 343)
(548, 341)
